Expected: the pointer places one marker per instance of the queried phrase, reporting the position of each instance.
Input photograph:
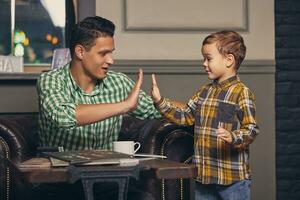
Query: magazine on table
(86, 157)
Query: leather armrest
(158, 136)
(19, 132)
(138, 130)
(163, 138)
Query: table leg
(88, 189)
(88, 185)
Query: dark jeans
(237, 191)
(102, 191)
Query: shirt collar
(228, 82)
(98, 88)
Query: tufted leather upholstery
(162, 138)
(18, 140)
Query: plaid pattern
(229, 104)
(59, 95)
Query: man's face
(98, 58)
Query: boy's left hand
(155, 93)
(224, 134)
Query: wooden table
(155, 168)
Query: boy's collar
(228, 82)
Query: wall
(287, 98)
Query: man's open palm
(133, 98)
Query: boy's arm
(173, 111)
(246, 115)
(182, 115)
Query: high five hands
(133, 97)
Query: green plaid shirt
(59, 95)
(229, 104)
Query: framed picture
(60, 58)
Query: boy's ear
(79, 51)
(230, 60)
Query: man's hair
(88, 30)
(228, 42)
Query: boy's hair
(88, 30)
(228, 42)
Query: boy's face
(98, 58)
(217, 66)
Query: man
(81, 104)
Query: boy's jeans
(236, 191)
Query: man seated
(81, 104)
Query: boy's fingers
(153, 79)
(220, 125)
(219, 131)
(221, 135)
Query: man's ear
(230, 60)
(79, 51)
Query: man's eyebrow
(106, 50)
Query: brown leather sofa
(18, 141)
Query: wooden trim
(243, 28)
(179, 67)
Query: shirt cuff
(160, 103)
(234, 137)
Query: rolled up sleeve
(55, 104)
(246, 114)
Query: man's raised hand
(133, 98)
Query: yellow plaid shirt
(230, 104)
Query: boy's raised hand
(155, 94)
(133, 97)
(224, 134)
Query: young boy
(223, 115)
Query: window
(34, 28)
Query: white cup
(127, 147)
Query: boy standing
(223, 115)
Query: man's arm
(91, 113)
(56, 105)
